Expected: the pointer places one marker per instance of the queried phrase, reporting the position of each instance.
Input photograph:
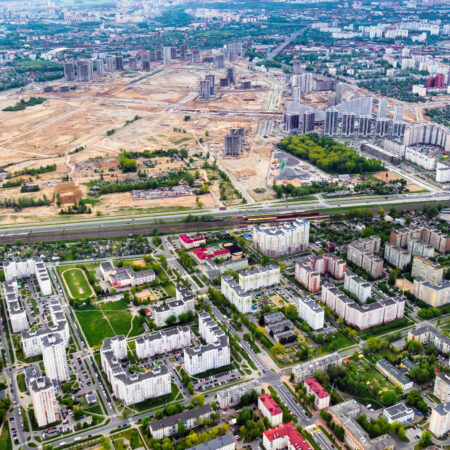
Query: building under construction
(234, 141)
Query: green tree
(425, 439)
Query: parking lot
(205, 384)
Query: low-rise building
(191, 418)
(191, 242)
(394, 374)
(398, 413)
(426, 334)
(346, 415)
(440, 419)
(232, 396)
(270, 409)
(321, 396)
(306, 370)
(122, 277)
(285, 436)
(225, 442)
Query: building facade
(44, 401)
(270, 409)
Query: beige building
(440, 419)
(442, 387)
(433, 294)
(428, 270)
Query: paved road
(284, 44)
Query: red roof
(296, 440)
(188, 240)
(317, 388)
(201, 253)
(270, 404)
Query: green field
(107, 320)
(77, 284)
(5, 438)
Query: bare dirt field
(404, 285)
(387, 176)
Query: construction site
(83, 131)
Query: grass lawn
(170, 290)
(5, 438)
(21, 382)
(77, 283)
(106, 320)
(132, 436)
(153, 403)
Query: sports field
(107, 320)
(76, 283)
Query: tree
(414, 346)
(291, 312)
(198, 400)
(425, 439)
(181, 428)
(171, 320)
(278, 349)
(159, 414)
(381, 212)
(104, 442)
(389, 398)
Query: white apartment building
(442, 172)
(357, 286)
(270, 409)
(440, 419)
(426, 334)
(235, 294)
(225, 442)
(417, 247)
(16, 270)
(286, 239)
(259, 278)
(442, 387)
(162, 311)
(309, 311)
(396, 255)
(365, 316)
(54, 357)
(321, 396)
(127, 387)
(17, 315)
(162, 342)
(44, 401)
(427, 270)
(428, 162)
(216, 353)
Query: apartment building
(285, 436)
(321, 396)
(307, 276)
(191, 418)
(44, 401)
(191, 242)
(54, 357)
(19, 269)
(259, 278)
(357, 286)
(270, 409)
(161, 342)
(225, 442)
(309, 311)
(363, 253)
(306, 370)
(128, 387)
(427, 270)
(440, 419)
(439, 241)
(332, 264)
(434, 294)
(417, 247)
(346, 415)
(394, 374)
(398, 413)
(235, 294)
(122, 277)
(285, 239)
(365, 316)
(396, 255)
(17, 314)
(216, 353)
(442, 387)
(426, 334)
(163, 310)
(231, 397)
